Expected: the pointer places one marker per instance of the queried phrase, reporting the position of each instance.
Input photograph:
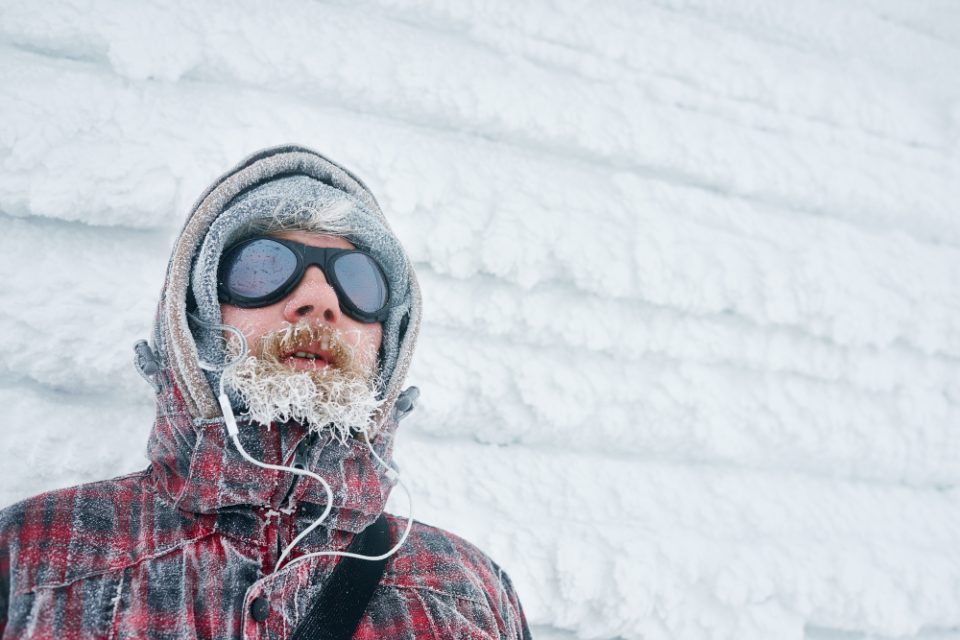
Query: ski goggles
(263, 270)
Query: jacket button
(259, 609)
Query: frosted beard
(339, 399)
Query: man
(284, 332)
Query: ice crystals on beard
(340, 399)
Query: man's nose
(312, 299)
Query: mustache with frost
(340, 398)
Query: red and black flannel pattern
(185, 549)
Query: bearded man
(284, 332)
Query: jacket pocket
(81, 609)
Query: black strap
(336, 612)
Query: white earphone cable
(233, 431)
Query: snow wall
(691, 355)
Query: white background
(691, 353)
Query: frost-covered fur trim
(204, 236)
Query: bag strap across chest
(337, 611)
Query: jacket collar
(196, 467)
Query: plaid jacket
(185, 549)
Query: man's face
(314, 302)
(306, 360)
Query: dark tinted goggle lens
(259, 269)
(261, 272)
(362, 281)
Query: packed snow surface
(690, 363)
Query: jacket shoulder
(437, 559)
(445, 567)
(60, 536)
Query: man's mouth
(306, 360)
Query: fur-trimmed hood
(192, 460)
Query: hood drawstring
(147, 364)
(406, 403)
